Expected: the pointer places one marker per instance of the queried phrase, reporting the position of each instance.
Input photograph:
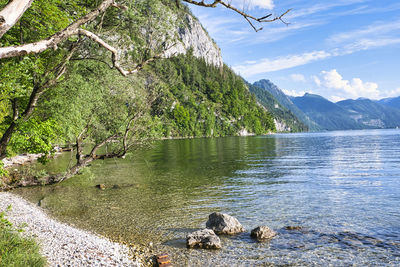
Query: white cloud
(371, 32)
(316, 80)
(294, 93)
(353, 88)
(320, 8)
(391, 93)
(266, 65)
(298, 77)
(336, 98)
(249, 4)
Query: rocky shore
(64, 245)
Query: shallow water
(341, 188)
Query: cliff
(193, 36)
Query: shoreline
(65, 245)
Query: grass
(16, 250)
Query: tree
(10, 15)
(53, 53)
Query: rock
(223, 223)
(263, 233)
(205, 238)
(101, 186)
(191, 34)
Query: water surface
(341, 188)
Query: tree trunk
(10, 15)
(5, 139)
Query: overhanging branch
(57, 38)
(249, 18)
(11, 13)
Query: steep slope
(393, 102)
(285, 120)
(287, 103)
(192, 36)
(326, 114)
(196, 99)
(370, 113)
(162, 28)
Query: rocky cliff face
(192, 36)
(164, 27)
(281, 126)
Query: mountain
(285, 120)
(348, 114)
(329, 116)
(188, 92)
(285, 101)
(371, 113)
(393, 102)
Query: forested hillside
(287, 103)
(76, 93)
(283, 116)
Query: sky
(339, 49)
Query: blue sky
(338, 49)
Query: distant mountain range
(393, 102)
(285, 119)
(319, 113)
(267, 87)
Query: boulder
(205, 238)
(263, 233)
(222, 223)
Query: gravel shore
(60, 243)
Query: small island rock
(263, 233)
(223, 223)
(205, 238)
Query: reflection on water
(342, 188)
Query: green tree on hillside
(29, 68)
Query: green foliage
(16, 250)
(34, 136)
(280, 112)
(4, 223)
(20, 76)
(202, 100)
(101, 100)
(177, 97)
(3, 171)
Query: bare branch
(92, 58)
(115, 54)
(54, 40)
(247, 16)
(99, 145)
(10, 14)
(38, 90)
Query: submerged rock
(101, 186)
(205, 238)
(263, 233)
(223, 223)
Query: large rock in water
(263, 233)
(223, 223)
(205, 238)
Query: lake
(341, 189)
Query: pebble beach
(62, 244)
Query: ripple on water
(339, 191)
